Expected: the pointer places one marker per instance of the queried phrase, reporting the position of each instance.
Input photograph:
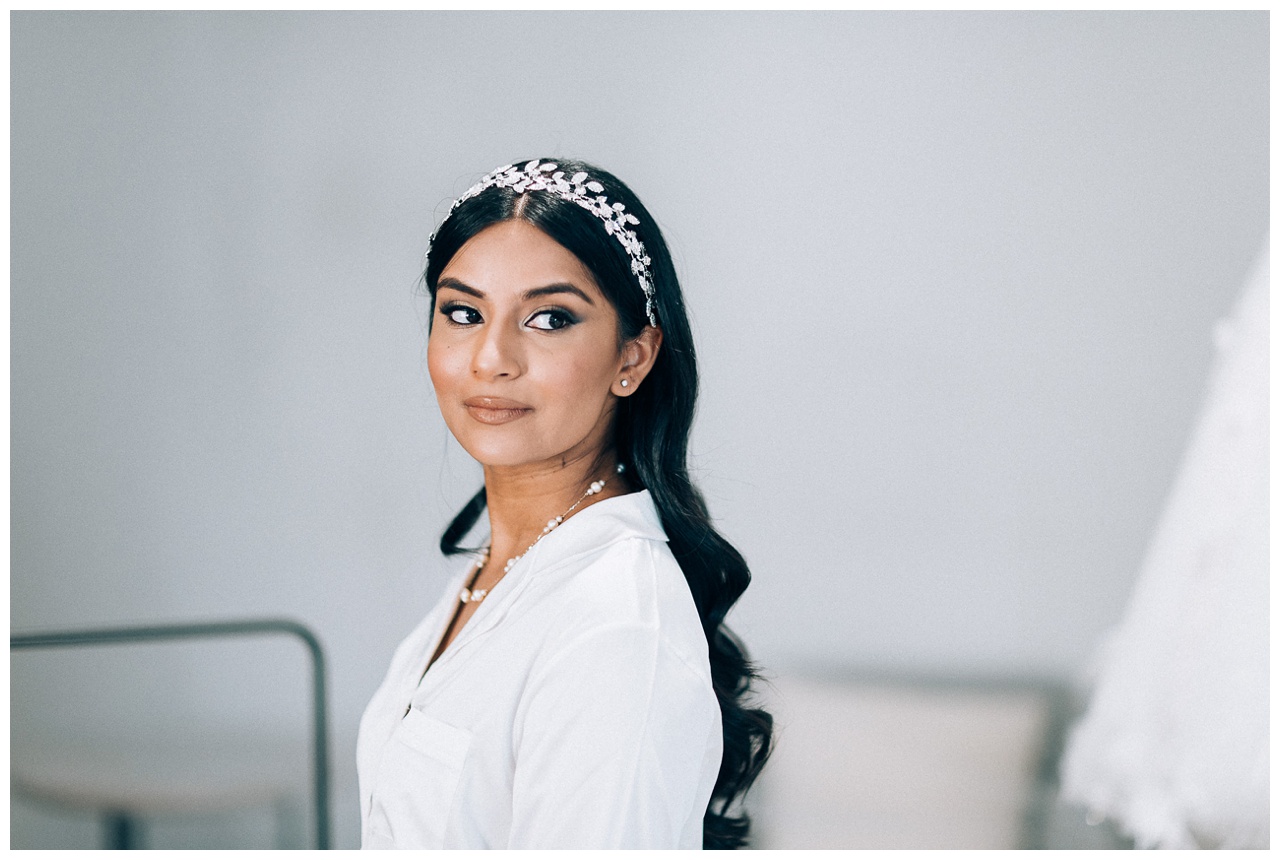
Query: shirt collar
(633, 515)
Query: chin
(498, 458)
(487, 449)
(521, 442)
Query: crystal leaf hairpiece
(585, 192)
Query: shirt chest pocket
(417, 783)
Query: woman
(576, 686)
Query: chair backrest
(899, 763)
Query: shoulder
(631, 578)
(624, 647)
(614, 580)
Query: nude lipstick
(495, 410)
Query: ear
(638, 356)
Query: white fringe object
(1175, 746)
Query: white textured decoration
(1174, 746)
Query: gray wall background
(953, 278)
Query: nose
(497, 354)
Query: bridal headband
(585, 192)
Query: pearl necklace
(468, 595)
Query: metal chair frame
(121, 827)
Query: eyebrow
(535, 293)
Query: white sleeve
(610, 742)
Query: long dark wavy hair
(651, 438)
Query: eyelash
(567, 319)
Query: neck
(521, 500)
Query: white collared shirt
(574, 710)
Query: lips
(495, 410)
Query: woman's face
(524, 351)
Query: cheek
(577, 382)
(441, 364)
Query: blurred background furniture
(878, 761)
(128, 786)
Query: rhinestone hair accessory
(585, 192)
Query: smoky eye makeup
(460, 314)
(551, 319)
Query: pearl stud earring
(624, 383)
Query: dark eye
(551, 320)
(461, 314)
